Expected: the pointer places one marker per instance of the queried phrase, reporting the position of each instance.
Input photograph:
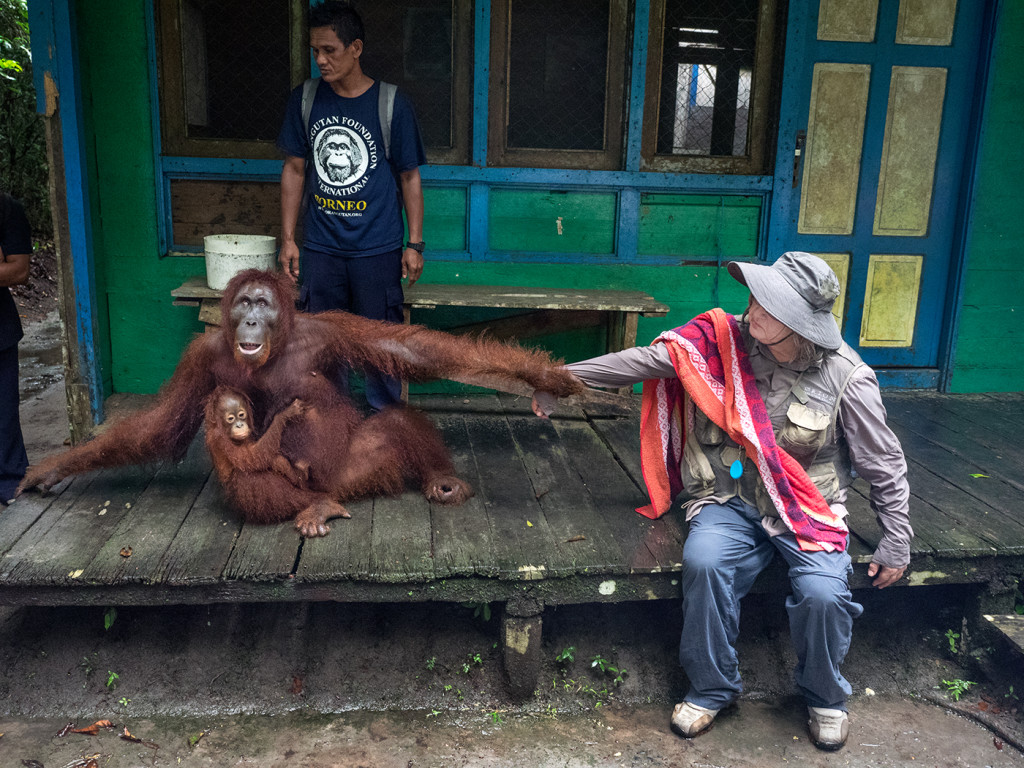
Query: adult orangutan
(274, 356)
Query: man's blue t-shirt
(351, 194)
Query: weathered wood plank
(19, 517)
(264, 553)
(345, 552)
(580, 534)
(68, 535)
(665, 541)
(461, 535)
(615, 497)
(148, 531)
(513, 297)
(204, 542)
(973, 442)
(986, 506)
(1011, 626)
(400, 539)
(524, 545)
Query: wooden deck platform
(552, 521)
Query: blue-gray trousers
(725, 550)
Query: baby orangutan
(253, 471)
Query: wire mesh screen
(558, 59)
(236, 68)
(410, 44)
(708, 65)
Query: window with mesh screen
(226, 68)
(557, 82)
(711, 88)
(424, 47)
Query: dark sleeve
(292, 139)
(406, 143)
(15, 234)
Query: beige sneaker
(689, 719)
(829, 727)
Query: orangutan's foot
(312, 521)
(447, 489)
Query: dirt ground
(335, 685)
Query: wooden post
(520, 638)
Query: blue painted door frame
(917, 365)
(56, 71)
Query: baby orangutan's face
(235, 416)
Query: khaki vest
(803, 406)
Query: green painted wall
(990, 339)
(144, 334)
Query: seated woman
(762, 420)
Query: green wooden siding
(706, 227)
(555, 222)
(989, 348)
(445, 220)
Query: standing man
(353, 182)
(15, 250)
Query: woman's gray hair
(807, 351)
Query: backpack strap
(308, 94)
(385, 109)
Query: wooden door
(877, 102)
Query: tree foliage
(23, 166)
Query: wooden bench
(547, 310)
(552, 524)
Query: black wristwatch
(417, 246)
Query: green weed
(956, 688)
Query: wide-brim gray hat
(798, 290)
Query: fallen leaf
(978, 474)
(580, 537)
(32, 764)
(128, 737)
(983, 705)
(529, 524)
(65, 730)
(93, 729)
(997, 742)
(126, 552)
(296, 688)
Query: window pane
(708, 68)
(409, 43)
(236, 68)
(558, 62)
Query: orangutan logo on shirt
(343, 152)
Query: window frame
(760, 138)
(174, 138)
(616, 72)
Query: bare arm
(293, 174)
(412, 199)
(13, 269)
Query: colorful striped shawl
(714, 371)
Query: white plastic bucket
(227, 255)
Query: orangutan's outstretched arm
(420, 354)
(163, 431)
